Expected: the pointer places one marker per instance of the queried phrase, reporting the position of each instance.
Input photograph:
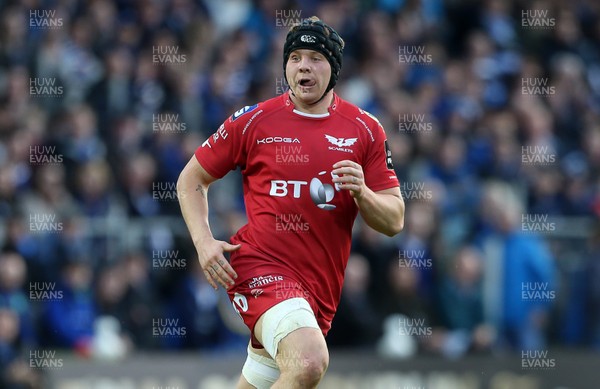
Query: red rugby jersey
(299, 223)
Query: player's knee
(307, 367)
(313, 369)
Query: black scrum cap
(313, 34)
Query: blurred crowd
(494, 127)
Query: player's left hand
(350, 177)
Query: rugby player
(305, 153)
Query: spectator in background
(137, 177)
(407, 314)
(415, 243)
(14, 47)
(50, 194)
(13, 273)
(102, 206)
(168, 152)
(461, 306)
(111, 97)
(592, 291)
(404, 295)
(79, 138)
(20, 239)
(111, 287)
(205, 315)
(16, 99)
(356, 323)
(450, 168)
(69, 321)
(148, 91)
(506, 150)
(377, 250)
(140, 299)
(519, 272)
(8, 191)
(405, 302)
(14, 371)
(78, 67)
(94, 180)
(102, 16)
(50, 197)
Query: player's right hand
(216, 268)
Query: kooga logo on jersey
(277, 139)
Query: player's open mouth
(307, 82)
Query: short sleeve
(225, 150)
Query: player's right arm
(192, 190)
(222, 152)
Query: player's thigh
(281, 319)
(299, 344)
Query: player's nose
(304, 64)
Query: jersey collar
(331, 109)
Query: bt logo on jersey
(279, 188)
(321, 194)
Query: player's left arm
(382, 210)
